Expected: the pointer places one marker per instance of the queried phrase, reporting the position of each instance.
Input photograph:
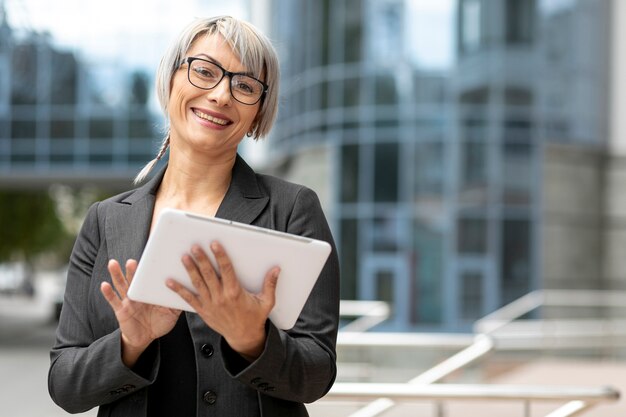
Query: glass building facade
(434, 181)
(58, 121)
(349, 87)
(77, 101)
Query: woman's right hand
(140, 323)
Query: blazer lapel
(244, 199)
(128, 221)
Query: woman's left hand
(224, 305)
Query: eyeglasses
(207, 75)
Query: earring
(249, 134)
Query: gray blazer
(296, 366)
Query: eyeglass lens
(206, 75)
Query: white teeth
(210, 118)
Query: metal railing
(368, 314)
(512, 331)
(578, 398)
(424, 387)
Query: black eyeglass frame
(225, 72)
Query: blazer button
(207, 350)
(210, 397)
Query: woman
(217, 83)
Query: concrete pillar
(618, 79)
(615, 203)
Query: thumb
(268, 293)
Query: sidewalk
(26, 335)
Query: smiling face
(208, 120)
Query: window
(351, 91)
(353, 31)
(517, 176)
(100, 151)
(384, 286)
(22, 129)
(4, 85)
(519, 21)
(141, 126)
(470, 31)
(61, 129)
(64, 75)
(429, 171)
(471, 295)
(384, 32)
(24, 74)
(348, 251)
(385, 233)
(62, 151)
(427, 262)
(349, 173)
(474, 162)
(472, 236)
(101, 128)
(385, 89)
(386, 172)
(515, 262)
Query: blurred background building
(452, 188)
(67, 119)
(457, 190)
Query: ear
(255, 124)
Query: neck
(195, 184)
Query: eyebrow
(215, 61)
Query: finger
(107, 291)
(225, 266)
(207, 270)
(117, 277)
(268, 293)
(196, 276)
(131, 268)
(192, 299)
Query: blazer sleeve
(299, 364)
(86, 369)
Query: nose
(220, 94)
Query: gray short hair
(255, 52)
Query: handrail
(578, 399)
(570, 409)
(594, 331)
(548, 298)
(584, 298)
(476, 350)
(368, 313)
(374, 312)
(509, 312)
(481, 346)
(423, 386)
(410, 392)
(511, 332)
(366, 339)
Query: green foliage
(30, 226)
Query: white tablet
(252, 251)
